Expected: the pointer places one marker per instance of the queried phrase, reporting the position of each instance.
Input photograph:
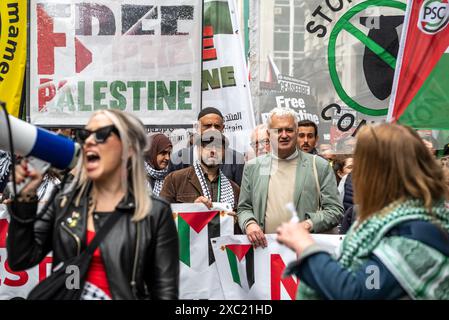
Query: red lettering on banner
(47, 42)
(23, 276)
(83, 57)
(46, 93)
(277, 266)
(209, 52)
(61, 84)
(3, 232)
(43, 268)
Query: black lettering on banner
(14, 13)
(314, 27)
(324, 111)
(170, 16)
(342, 119)
(132, 16)
(11, 45)
(340, 124)
(336, 8)
(11, 49)
(105, 16)
(311, 28)
(321, 14)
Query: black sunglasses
(211, 144)
(100, 135)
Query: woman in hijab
(157, 159)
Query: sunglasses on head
(100, 135)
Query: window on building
(281, 39)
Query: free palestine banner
(197, 225)
(420, 90)
(225, 84)
(140, 57)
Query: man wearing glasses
(259, 140)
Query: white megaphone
(31, 141)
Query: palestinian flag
(241, 263)
(195, 230)
(421, 86)
(217, 20)
(217, 17)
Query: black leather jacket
(157, 267)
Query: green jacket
(254, 192)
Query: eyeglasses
(100, 135)
(259, 143)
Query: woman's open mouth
(92, 160)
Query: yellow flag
(13, 51)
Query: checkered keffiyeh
(226, 191)
(92, 292)
(158, 176)
(5, 167)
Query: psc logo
(433, 16)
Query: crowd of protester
(388, 195)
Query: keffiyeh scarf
(226, 193)
(158, 176)
(45, 188)
(422, 271)
(5, 166)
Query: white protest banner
(256, 274)
(17, 284)
(333, 62)
(196, 226)
(225, 76)
(143, 57)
